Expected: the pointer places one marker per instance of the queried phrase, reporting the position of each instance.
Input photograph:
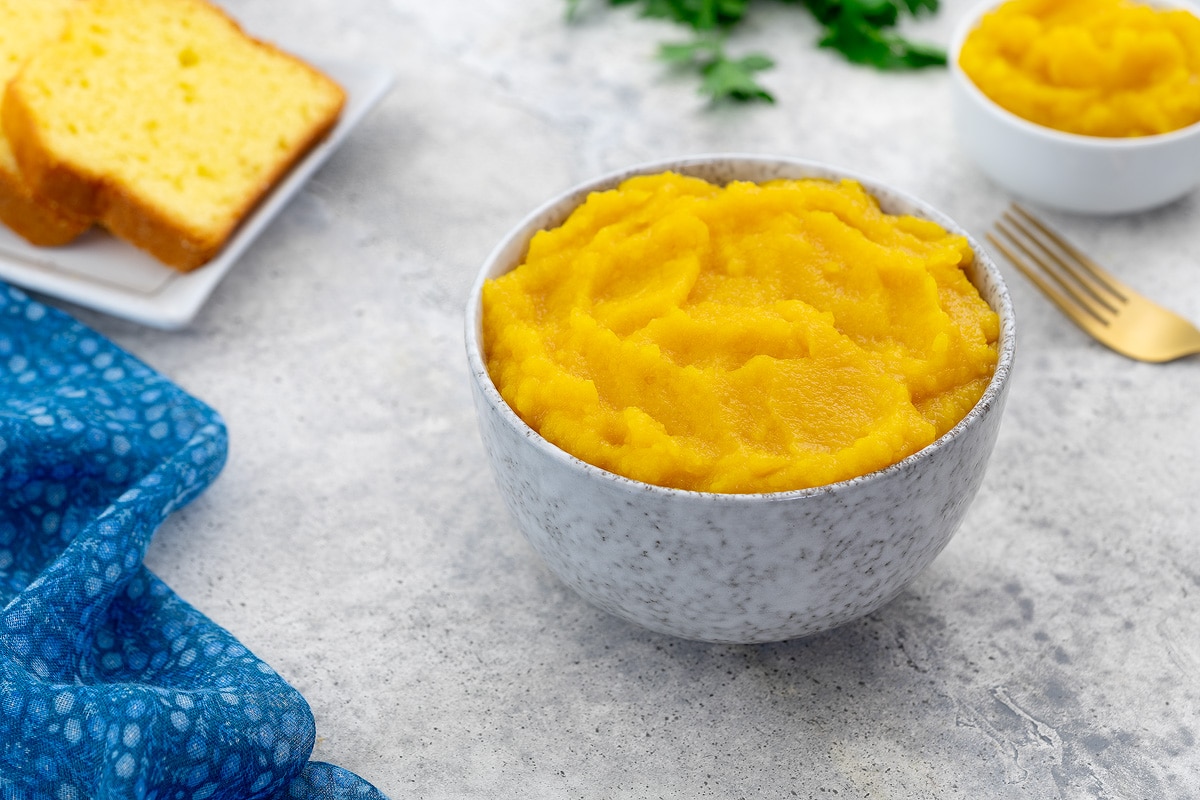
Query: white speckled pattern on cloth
(356, 540)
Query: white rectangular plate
(101, 272)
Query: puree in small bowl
(746, 338)
(1085, 106)
(1108, 68)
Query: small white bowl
(735, 567)
(1066, 171)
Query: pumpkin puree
(752, 338)
(1112, 68)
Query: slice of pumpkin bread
(164, 121)
(25, 26)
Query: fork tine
(1112, 313)
(1098, 274)
(1066, 294)
(1073, 311)
(1068, 275)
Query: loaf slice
(164, 121)
(25, 26)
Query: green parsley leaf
(861, 43)
(722, 77)
(918, 6)
(687, 53)
(734, 79)
(860, 30)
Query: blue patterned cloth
(111, 686)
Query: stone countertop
(357, 543)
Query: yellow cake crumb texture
(25, 27)
(1111, 68)
(746, 338)
(164, 120)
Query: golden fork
(1093, 299)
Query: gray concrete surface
(357, 543)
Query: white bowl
(1066, 171)
(735, 567)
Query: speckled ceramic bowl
(726, 567)
(1066, 171)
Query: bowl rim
(971, 19)
(992, 395)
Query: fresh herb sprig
(721, 76)
(861, 30)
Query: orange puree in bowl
(752, 338)
(1110, 68)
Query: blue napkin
(111, 686)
